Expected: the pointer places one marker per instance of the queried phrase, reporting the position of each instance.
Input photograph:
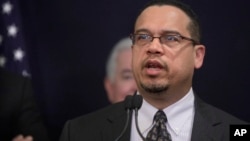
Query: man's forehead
(162, 10)
(160, 18)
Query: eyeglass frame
(132, 35)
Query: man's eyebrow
(162, 32)
(142, 30)
(170, 32)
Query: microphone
(128, 107)
(137, 102)
(132, 103)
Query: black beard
(157, 89)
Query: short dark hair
(193, 27)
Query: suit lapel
(204, 122)
(116, 123)
(126, 136)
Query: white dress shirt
(180, 117)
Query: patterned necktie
(159, 131)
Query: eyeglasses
(171, 40)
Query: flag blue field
(13, 55)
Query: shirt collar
(177, 113)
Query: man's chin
(154, 88)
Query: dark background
(69, 41)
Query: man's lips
(153, 64)
(153, 67)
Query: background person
(20, 117)
(119, 81)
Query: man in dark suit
(166, 50)
(20, 119)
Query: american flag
(13, 55)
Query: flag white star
(25, 73)
(12, 30)
(2, 61)
(18, 54)
(7, 7)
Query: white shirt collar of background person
(180, 117)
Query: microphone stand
(132, 103)
(128, 107)
(137, 102)
(125, 127)
(137, 126)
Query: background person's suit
(18, 111)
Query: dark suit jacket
(210, 124)
(18, 111)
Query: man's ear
(109, 89)
(199, 55)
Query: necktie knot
(160, 116)
(159, 131)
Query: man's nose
(155, 47)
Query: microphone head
(137, 101)
(129, 102)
